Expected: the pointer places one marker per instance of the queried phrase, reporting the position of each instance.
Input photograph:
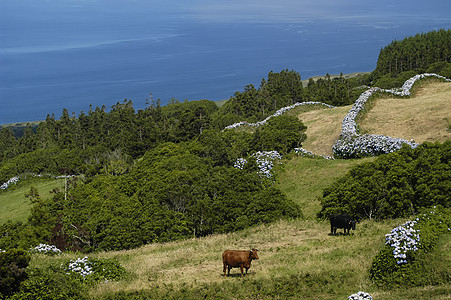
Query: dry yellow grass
(323, 128)
(285, 247)
(424, 117)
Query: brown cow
(238, 259)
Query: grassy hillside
(423, 117)
(426, 116)
(303, 180)
(331, 267)
(323, 128)
(298, 258)
(16, 207)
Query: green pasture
(15, 206)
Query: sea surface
(57, 54)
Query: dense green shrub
(282, 134)
(94, 270)
(394, 185)
(11, 236)
(64, 282)
(51, 283)
(13, 264)
(417, 267)
(389, 81)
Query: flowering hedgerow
(11, 181)
(277, 113)
(15, 179)
(45, 249)
(353, 145)
(360, 296)
(306, 153)
(403, 238)
(396, 263)
(368, 145)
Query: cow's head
(352, 223)
(253, 254)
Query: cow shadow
(340, 234)
(235, 275)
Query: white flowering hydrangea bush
(70, 280)
(45, 249)
(94, 269)
(360, 296)
(264, 161)
(401, 261)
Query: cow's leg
(241, 268)
(224, 270)
(228, 272)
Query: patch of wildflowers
(240, 163)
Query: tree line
(424, 52)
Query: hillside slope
(426, 116)
(298, 252)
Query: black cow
(341, 221)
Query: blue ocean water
(57, 54)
